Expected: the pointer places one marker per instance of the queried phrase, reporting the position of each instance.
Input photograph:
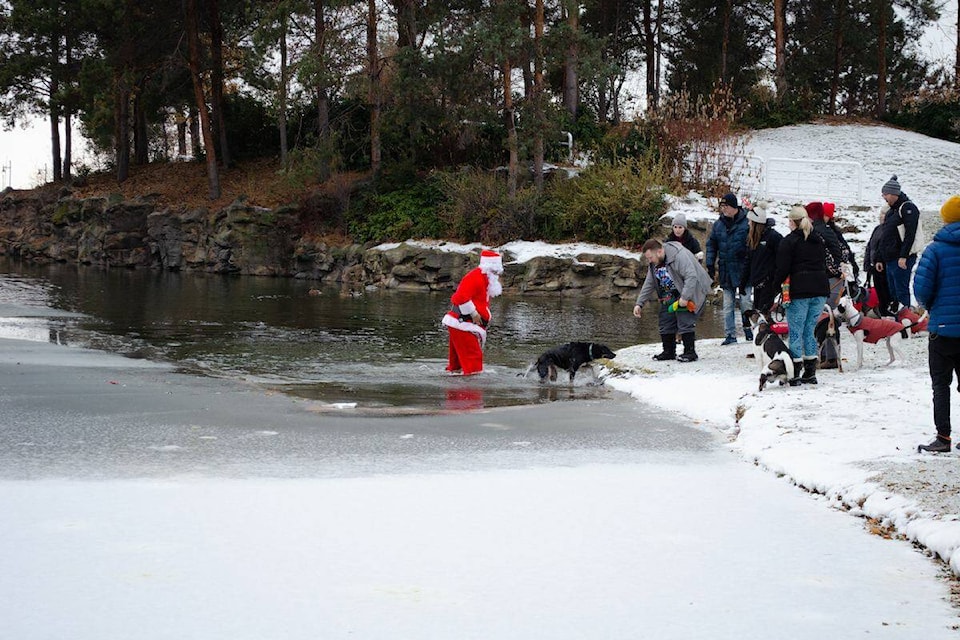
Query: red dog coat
(875, 330)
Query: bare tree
(193, 43)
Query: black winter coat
(832, 244)
(688, 241)
(762, 262)
(902, 212)
(804, 262)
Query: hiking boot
(939, 445)
(809, 371)
(728, 340)
(795, 380)
(669, 347)
(689, 348)
(748, 335)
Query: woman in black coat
(759, 273)
(681, 234)
(801, 259)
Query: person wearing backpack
(896, 249)
(937, 287)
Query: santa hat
(829, 209)
(490, 262)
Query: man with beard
(469, 315)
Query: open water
(372, 349)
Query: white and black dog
(570, 357)
(873, 330)
(773, 354)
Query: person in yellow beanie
(936, 286)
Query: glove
(675, 306)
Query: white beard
(494, 288)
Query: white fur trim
(455, 323)
(468, 308)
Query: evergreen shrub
(407, 211)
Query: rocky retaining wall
(54, 226)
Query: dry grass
(184, 184)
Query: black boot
(689, 347)
(795, 380)
(940, 445)
(669, 347)
(809, 371)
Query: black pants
(764, 293)
(879, 281)
(944, 358)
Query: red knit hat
(828, 210)
(490, 261)
(814, 210)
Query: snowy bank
(853, 437)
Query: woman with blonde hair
(802, 258)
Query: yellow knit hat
(950, 211)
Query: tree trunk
(194, 132)
(725, 39)
(140, 142)
(282, 98)
(68, 118)
(181, 134)
(780, 48)
(55, 142)
(538, 143)
(659, 32)
(882, 59)
(650, 55)
(956, 67)
(571, 88)
(373, 91)
(219, 121)
(193, 41)
(122, 128)
(319, 50)
(838, 17)
(512, 145)
(407, 31)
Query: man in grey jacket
(680, 284)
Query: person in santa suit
(469, 316)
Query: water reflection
(375, 348)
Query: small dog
(570, 357)
(772, 352)
(872, 330)
(828, 342)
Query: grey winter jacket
(690, 278)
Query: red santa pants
(465, 352)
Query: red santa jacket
(471, 295)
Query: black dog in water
(570, 356)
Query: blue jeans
(729, 317)
(899, 280)
(802, 317)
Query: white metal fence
(798, 179)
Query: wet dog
(773, 354)
(568, 357)
(872, 330)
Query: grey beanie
(892, 187)
(679, 220)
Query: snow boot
(940, 445)
(689, 348)
(669, 347)
(809, 371)
(795, 380)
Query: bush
(932, 112)
(408, 211)
(476, 207)
(614, 203)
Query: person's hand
(878, 267)
(476, 317)
(636, 311)
(902, 263)
(682, 303)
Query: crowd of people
(807, 271)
